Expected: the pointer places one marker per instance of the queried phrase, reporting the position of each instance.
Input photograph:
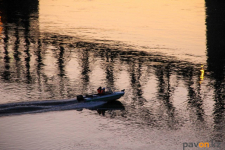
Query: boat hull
(108, 97)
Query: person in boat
(99, 90)
(103, 91)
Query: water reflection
(216, 60)
(109, 68)
(110, 107)
(17, 53)
(17, 15)
(1, 24)
(135, 75)
(165, 92)
(85, 69)
(27, 49)
(42, 60)
(195, 101)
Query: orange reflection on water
(168, 26)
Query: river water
(168, 55)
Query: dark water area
(180, 101)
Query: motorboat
(107, 96)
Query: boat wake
(44, 106)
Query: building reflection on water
(28, 53)
(215, 22)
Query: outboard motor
(80, 98)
